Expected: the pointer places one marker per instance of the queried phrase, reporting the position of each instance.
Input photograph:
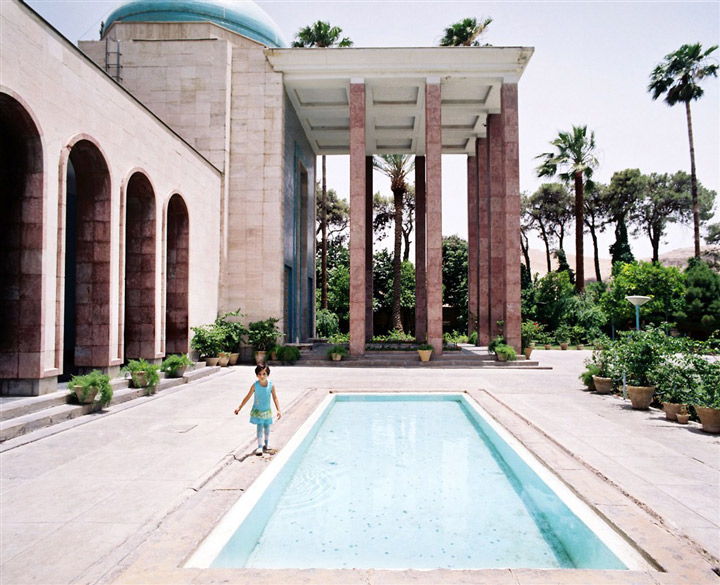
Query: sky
(591, 66)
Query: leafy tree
(664, 284)
(384, 282)
(713, 237)
(338, 260)
(701, 314)
(620, 252)
(526, 223)
(552, 296)
(625, 189)
(678, 79)
(455, 271)
(548, 211)
(396, 167)
(333, 218)
(574, 160)
(465, 33)
(563, 265)
(384, 217)
(597, 216)
(321, 34)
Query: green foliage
(455, 271)
(473, 338)
(588, 317)
(383, 280)
(327, 323)
(465, 33)
(529, 332)
(263, 334)
(506, 351)
(95, 379)
(393, 336)
(174, 362)
(497, 340)
(337, 349)
(700, 314)
(639, 355)
(665, 285)
(591, 369)
(230, 333)
(288, 354)
(152, 372)
(339, 338)
(562, 333)
(620, 252)
(455, 337)
(208, 340)
(563, 265)
(708, 394)
(321, 34)
(552, 295)
(425, 347)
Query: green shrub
(263, 334)
(497, 340)
(288, 354)
(172, 363)
(152, 372)
(327, 323)
(208, 340)
(506, 351)
(337, 349)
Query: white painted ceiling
(317, 82)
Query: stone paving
(127, 495)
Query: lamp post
(638, 301)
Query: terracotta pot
(211, 361)
(177, 373)
(336, 357)
(548, 346)
(580, 346)
(671, 410)
(500, 357)
(709, 418)
(89, 397)
(563, 346)
(641, 396)
(528, 352)
(139, 379)
(223, 360)
(260, 357)
(424, 354)
(683, 418)
(234, 358)
(602, 385)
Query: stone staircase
(466, 356)
(20, 416)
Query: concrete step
(401, 359)
(25, 415)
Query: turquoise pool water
(396, 481)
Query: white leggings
(263, 428)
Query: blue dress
(261, 413)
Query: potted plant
(577, 336)
(707, 400)
(143, 374)
(231, 334)
(207, 340)
(600, 363)
(530, 332)
(425, 352)
(263, 335)
(287, 354)
(683, 416)
(562, 336)
(88, 386)
(175, 365)
(505, 353)
(676, 377)
(638, 356)
(337, 352)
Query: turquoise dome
(245, 18)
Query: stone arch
(21, 241)
(140, 268)
(85, 241)
(177, 272)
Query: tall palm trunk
(579, 222)
(397, 261)
(323, 294)
(596, 255)
(693, 184)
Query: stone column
(420, 255)
(369, 325)
(433, 183)
(511, 174)
(496, 223)
(357, 217)
(483, 179)
(472, 278)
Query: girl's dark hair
(260, 367)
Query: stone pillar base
(28, 386)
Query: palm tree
(321, 34)
(464, 33)
(678, 78)
(396, 167)
(573, 160)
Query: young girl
(261, 413)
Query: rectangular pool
(399, 481)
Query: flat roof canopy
(318, 80)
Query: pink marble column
(472, 197)
(433, 170)
(497, 223)
(420, 254)
(357, 218)
(511, 174)
(483, 210)
(369, 325)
